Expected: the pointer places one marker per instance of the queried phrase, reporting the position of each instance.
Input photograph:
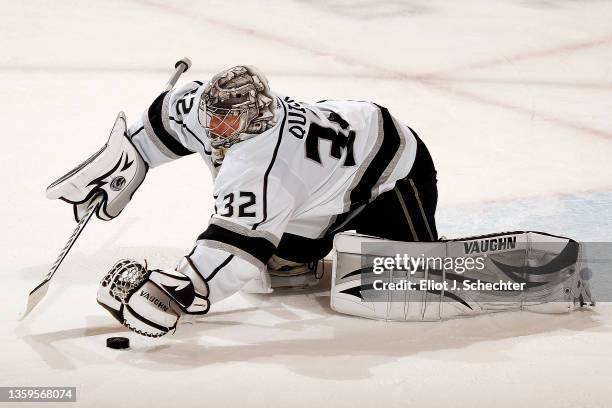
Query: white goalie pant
(404, 281)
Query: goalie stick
(39, 292)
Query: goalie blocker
(112, 175)
(401, 281)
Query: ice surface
(513, 98)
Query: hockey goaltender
(288, 177)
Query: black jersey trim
(155, 118)
(388, 148)
(423, 166)
(137, 131)
(221, 266)
(258, 247)
(265, 182)
(362, 192)
(201, 276)
(193, 266)
(184, 126)
(296, 248)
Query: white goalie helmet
(236, 105)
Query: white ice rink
(513, 97)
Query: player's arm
(161, 134)
(230, 253)
(117, 170)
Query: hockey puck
(118, 342)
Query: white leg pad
(544, 272)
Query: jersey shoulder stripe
(258, 247)
(388, 148)
(155, 117)
(389, 141)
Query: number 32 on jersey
(237, 204)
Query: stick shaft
(75, 234)
(180, 67)
(39, 292)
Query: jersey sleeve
(250, 218)
(161, 134)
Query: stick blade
(34, 298)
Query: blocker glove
(111, 175)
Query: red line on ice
(549, 52)
(425, 78)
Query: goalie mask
(236, 105)
(112, 174)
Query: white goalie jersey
(283, 189)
